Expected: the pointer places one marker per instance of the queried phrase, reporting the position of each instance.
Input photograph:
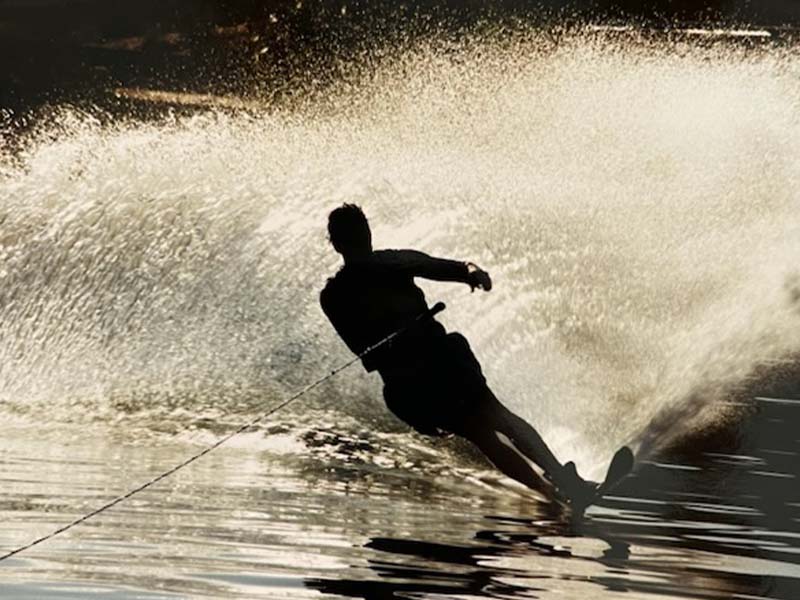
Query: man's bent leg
(522, 434)
(528, 441)
(506, 458)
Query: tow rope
(437, 308)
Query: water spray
(437, 308)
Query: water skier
(432, 380)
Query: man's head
(348, 231)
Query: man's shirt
(369, 299)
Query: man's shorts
(445, 387)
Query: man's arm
(419, 264)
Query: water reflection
(513, 562)
(421, 567)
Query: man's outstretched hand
(478, 278)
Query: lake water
(329, 515)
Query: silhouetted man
(432, 380)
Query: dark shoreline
(54, 52)
(138, 89)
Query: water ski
(621, 465)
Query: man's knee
(481, 430)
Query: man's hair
(348, 228)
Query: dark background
(71, 50)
